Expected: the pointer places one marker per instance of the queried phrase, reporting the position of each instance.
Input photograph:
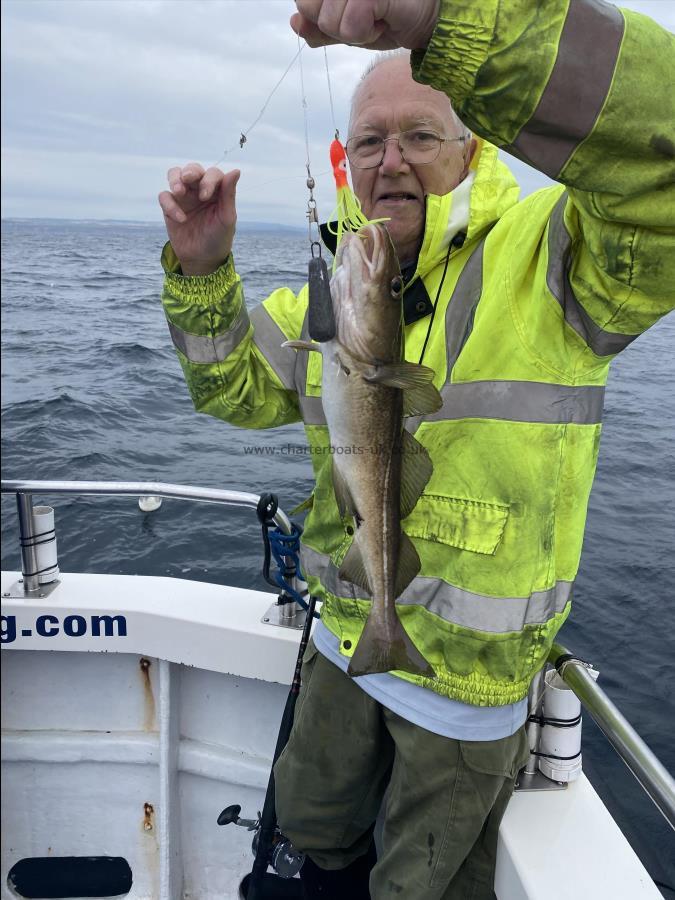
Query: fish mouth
(369, 248)
(364, 247)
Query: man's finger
(228, 192)
(210, 183)
(359, 24)
(173, 176)
(192, 173)
(309, 32)
(350, 21)
(170, 208)
(330, 17)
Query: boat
(139, 710)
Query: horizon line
(157, 222)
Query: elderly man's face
(388, 102)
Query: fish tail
(377, 653)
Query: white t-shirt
(425, 708)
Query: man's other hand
(375, 24)
(200, 216)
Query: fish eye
(396, 287)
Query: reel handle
(230, 816)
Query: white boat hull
(126, 738)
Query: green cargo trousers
(444, 802)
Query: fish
(367, 390)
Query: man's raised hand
(375, 24)
(200, 216)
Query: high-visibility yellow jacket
(536, 302)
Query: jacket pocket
(466, 524)
(504, 757)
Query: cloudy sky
(100, 97)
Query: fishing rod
(270, 846)
(263, 886)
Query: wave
(135, 352)
(63, 402)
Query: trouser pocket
(504, 757)
(484, 782)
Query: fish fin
(375, 653)
(416, 470)
(408, 564)
(421, 400)
(303, 345)
(353, 568)
(404, 375)
(345, 501)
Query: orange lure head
(338, 159)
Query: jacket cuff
(458, 48)
(197, 288)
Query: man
(519, 308)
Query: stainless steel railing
(25, 489)
(652, 775)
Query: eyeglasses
(417, 147)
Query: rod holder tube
(45, 544)
(29, 557)
(534, 728)
(657, 782)
(560, 738)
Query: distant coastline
(242, 225)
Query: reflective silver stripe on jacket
(601, 342)
(478, 612)
(577, 88)
(462, 306)
(512, 401)
(302, 361)
(212, 348)
(268, 338)
(311, 410)
(519, 401)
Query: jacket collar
(460, 216)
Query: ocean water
(92, 389)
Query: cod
(367, 390)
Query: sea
(92, 390)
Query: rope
(284, 548)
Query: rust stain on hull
(148, 817)
(148, 695)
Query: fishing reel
(283, 857)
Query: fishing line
(303, 99)
(244, 135)
(312, 216)
(330, 93)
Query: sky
(101, 97)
